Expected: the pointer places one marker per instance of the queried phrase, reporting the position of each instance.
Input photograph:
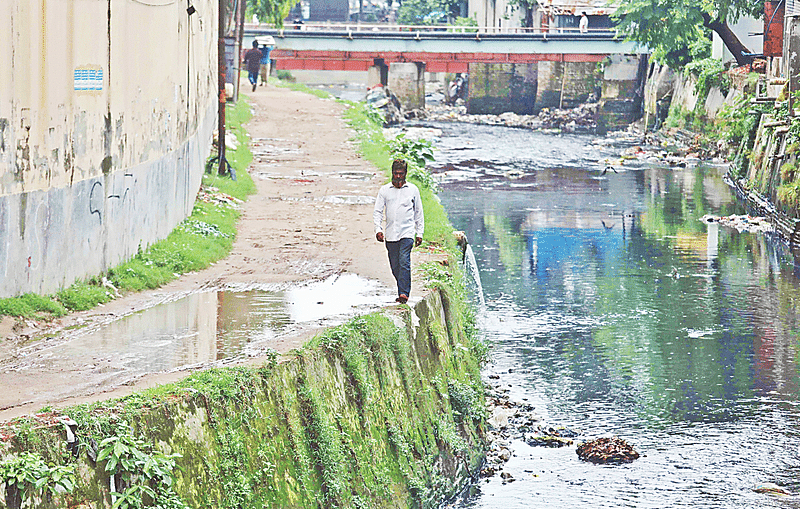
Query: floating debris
(769, 488)
(551, 437)
(607, 450)
(743, 223)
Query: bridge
(357, 47)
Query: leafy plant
(710, 73)
(29, 475)
(146, 477)
(416, 151)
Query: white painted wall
(741, 28)
(88, 175)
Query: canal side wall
(104, 132)
(385, 411)
(527, 89)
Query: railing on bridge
(367, 30)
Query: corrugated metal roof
(576, 7)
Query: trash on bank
(607, 450)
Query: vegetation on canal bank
(201, 239)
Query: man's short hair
(255, 44)
(400, 164)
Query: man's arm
(419, 218)
(377, 215)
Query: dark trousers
(400, 261)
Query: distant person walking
(584, 23)
(265, 51)
(252, 59)
(400, 202)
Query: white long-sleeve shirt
(403, 210)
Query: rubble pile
(607, 450)
(581, 119)
(382, 99)
(742, 223)
(509, 421)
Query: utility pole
(241, 8)
(222, 96)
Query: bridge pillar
(378, 74)
(623, 90)
(498, 88)
(566, 84)
(407, 81)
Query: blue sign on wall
(88, 79)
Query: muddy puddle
(200, 329)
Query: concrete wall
(497, 88)
(107, 109)
(384, 413)
(407, 81)
(622, 89)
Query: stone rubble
(510, 420)
(582, 119)
(742, 223)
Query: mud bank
(384, 411)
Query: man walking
(400, 202)
(265, 63)
(252, 59)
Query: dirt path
(311, 218)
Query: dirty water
(204, 328)
(614, 309)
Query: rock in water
(607, 450)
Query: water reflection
(619, 312)
(197, 329)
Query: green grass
(300, 87)
(203, 238)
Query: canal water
(613, 309)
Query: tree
(271, 11)
(427, 12)
(528, 7)
(667, 25)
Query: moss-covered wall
(386, 410)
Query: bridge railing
(395, 29)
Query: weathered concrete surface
(99, 122)
(622, 89)
(658, 92)
(499, 88)
(407, 81)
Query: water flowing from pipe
(475, 275)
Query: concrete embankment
(386, 410)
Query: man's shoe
(402, 299)
(254, 87)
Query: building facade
(107, 111)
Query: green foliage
(270, 11)
(710, 73)
(466, 401)
(446, 432)
(31, 306)
(416, 151)
(671, 28)
(81, 296)
(464, 23)
(285, 76)
(788, 171)
(32, 477)
(146, 476)
(427, 12)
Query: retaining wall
(385, 411)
